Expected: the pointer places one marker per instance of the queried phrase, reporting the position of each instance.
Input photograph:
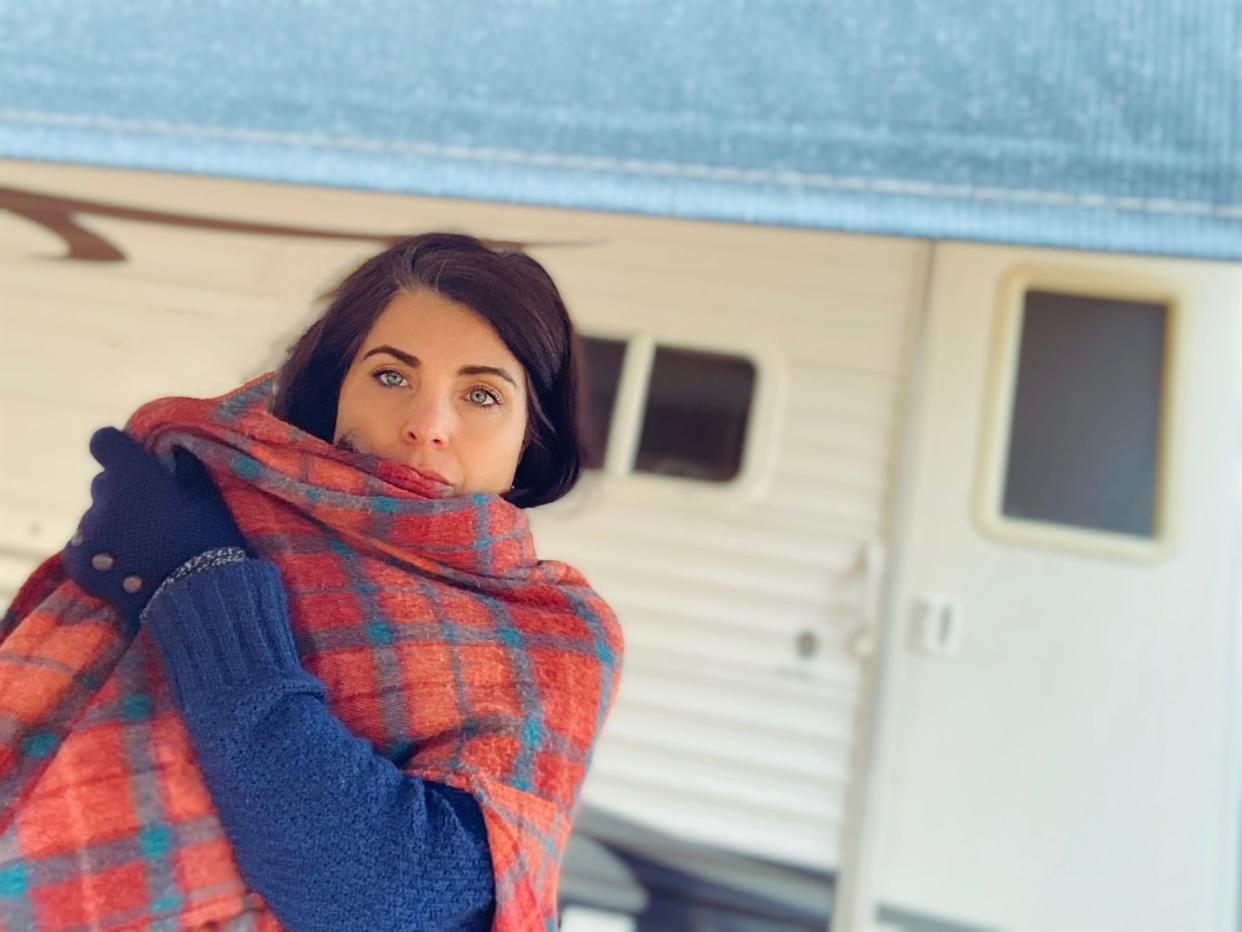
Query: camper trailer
(925, 552)
(913, 336)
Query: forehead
(434, 329)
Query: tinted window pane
(603, 361)
(1086, 415)
(695, 421)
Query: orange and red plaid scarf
(441, 640)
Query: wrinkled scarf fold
(440, 637)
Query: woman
(391, 703)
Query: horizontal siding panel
(209, 261)
(748, 570)
(861, 514)
(803, 454)
(881, 360)
(754, 532)
(831, 665)
(712, 691)
(58, 479)
(80, 287)
(828, 441)
(670, 587)
(765, 756)
(847, 477)
(839, 478)
(832, 729)
(767, 583)
(819, 395)
(701, 535)
(814, 268)
(728, 614)
(771, 647)
(37, 531)
(781, 836)
(820, 263)
(128, 376)
(827, 724)
(800, 309)
(848, 421)
(14, 569)
(863, 352)
(751, 785)
(120, 357)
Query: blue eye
(388, 383)
(483, 397)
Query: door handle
(938, 624)
(862, 641)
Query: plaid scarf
(439, 636)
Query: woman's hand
(144, 522)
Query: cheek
(516, 447)
(356, 413)
(344, 411)
(516, 436)
(494, 452)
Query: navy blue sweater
(329, 832)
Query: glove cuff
(222, 631)
(217, 556)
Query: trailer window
(603, 361)
(694, 422)
(1084, 438)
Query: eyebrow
(413, 363)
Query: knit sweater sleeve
(330, 833)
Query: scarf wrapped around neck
(440, 637)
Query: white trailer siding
(724, 732)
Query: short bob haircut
(508, 289)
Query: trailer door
(1057, 745)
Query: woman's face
(435, 388)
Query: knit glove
(144, 522)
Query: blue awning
(1101, 124)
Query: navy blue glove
(144, 522)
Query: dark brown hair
(510, 290)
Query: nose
(426, 422)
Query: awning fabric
(1101, 124)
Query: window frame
(999, 401)
(755, 466)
